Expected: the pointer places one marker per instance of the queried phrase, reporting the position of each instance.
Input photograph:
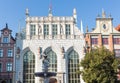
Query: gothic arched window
(73, 61)
(28, 67)
(53, 60)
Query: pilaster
(27, 30)
(50, 30)
(36, 31)
(58, 31)
(111, 42)
(99, 40)
(72, 31)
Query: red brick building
(104, 34)
(7, 46)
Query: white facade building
(59, 38)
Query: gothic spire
(50, 10)
(6, 25)
(75, 14)
(86, 29)
(27, 12)
(103, 13)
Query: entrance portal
(53, 80)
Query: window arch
(53, 60)
(73, 61)
(28, 67)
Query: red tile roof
(118, 28)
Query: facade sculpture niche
(18, 52)
(63, 52)
(39, 30)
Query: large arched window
(73, 61)
(28, 67)
(53, 60)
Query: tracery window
(53, 60)
(28, 67)
(73, 61)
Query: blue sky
(13, 11)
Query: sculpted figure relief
(46, 63)
(39, 30)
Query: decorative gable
(104, 25)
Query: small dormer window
(104, 26)
(5, 39)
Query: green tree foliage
(99, 66)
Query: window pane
(10, 53)
(68, 31)
(116, 40)
(53, 61)
(54, 30)
(9, 67)
(73, 67)
(32, 30)
(1, 53)
(105, 40)
(94, 40)
(28, 67)
(5, 40)
(46, 30)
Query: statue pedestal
(45, 74)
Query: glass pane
(73, 67)
(53, 61)
(28, 70)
